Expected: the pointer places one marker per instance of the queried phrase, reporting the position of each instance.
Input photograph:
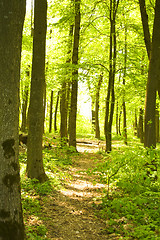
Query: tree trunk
(64, 92)
(110, 100)
(55, 113)
(35, 167)
(157, 125)
(93, 114)
(24, 109)
(44, 106)
(74, 89)
(135, 124)
(145, 24)
(117, 125)
(97, 128)
(140, 126)
(124, 82)
(119, 122)
(11, 24)
(51, 112)
(153, 82)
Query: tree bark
(55, 113)
(140, 126)
(153, 82)
(135, 124)
(157, 125)
(51, 112)
(11, 24)
(74, 88)
(65, 92)
(97, 128)
(110, 100)
(124, 82)
(35, 167)
(144, 17)
(24, 108)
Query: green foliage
(84, 126)
(132, 208)
(37, 232)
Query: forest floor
(71, 209)
(69, 212)
(73, 203)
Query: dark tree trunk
(35, 167)
(153, 83)
(145, 24)
(11, 24)
(97, 128)
(74, 89)
(110, 100)
(51, 112)
(55, 112)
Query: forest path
(70, 210)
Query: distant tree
(65, 91)
(35, 167)
(11, 24)
(97, 127)
(55, 113)
(25, 96)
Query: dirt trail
(70, 211)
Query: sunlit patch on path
(71, 207)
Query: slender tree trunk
(24, 109)
(44, 106)
(135, 124)
(157, 125)
(11, 24)
(64, 92)
(35, 167)
(140, 126)
(55, 113)
(74, 90)
(97, 128)
(51, 112)
(117, 126)
(110, 100)
(124, 82)
(119, 121)
(93, 113)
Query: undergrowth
(56, 161)
(131, 205)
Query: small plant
(132, 208)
